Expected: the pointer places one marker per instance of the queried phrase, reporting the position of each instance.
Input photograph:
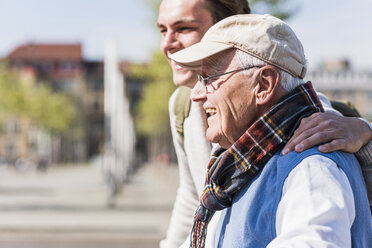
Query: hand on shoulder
(334, 132)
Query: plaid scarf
(229, 170)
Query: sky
(328, 29)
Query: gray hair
(287, 81)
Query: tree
(153, 107)
(51, 111)
(152, 119)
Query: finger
(312, 124)
(297, 138)
(300, 137)
(304, 125)
(313, 140)
(334, 145)
(288, 148)
(317, 123)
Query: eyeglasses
(209, 87)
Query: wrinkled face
(182, 23)
(231, 106)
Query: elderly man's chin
(215, 137)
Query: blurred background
(86, 156)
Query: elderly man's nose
(198, 93)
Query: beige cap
(262, 36)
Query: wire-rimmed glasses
(209, 87)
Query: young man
(183, 23)
(251, 88)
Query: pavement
(67, 207)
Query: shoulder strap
(182, 108)
(345, 108)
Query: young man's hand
(334, 132)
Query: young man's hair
(221, 9)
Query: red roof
(64, 52)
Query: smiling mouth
(210, 112)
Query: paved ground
(66, 207)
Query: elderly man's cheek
(225, 129)
(213, 130)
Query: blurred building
(61, 64)
(63, 67)
(338, 81)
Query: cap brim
(192, 56)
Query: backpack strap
(345, 108)
(182, 107)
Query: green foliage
(51, 111)
(153, 114)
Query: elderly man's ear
(268, 81)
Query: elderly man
(252, 91)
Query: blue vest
(250, 222)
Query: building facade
(346, 85)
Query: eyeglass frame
(205, 83)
